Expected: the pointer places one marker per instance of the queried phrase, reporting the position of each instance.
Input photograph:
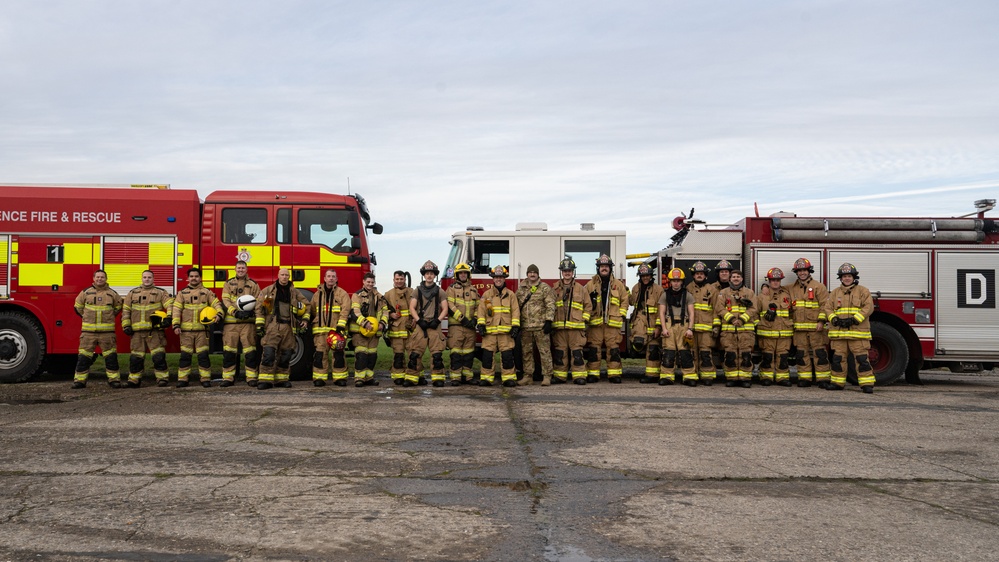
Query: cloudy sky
(449, 113)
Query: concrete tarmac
(564, 473)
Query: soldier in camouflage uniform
(537, 310)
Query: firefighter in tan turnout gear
(609, 299)
(370, 312)
(849, 310)
(572, 312)
(775, 330)
(98, 305)
(810, 339)
(329, 309)
(143, 311)
(400, 323)
(735, 307)
(645, 325)
(723, 270)
(282, 311)
(703, 295)
(429, 309)
(239, 330)
(462, 303)
(537, 311)
(499, 325)
(676, 315)
(195, 310)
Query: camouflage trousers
(530, 339)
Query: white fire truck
(533, 243)
(933, 279)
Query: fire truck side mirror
(376, 228)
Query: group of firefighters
(574, 327)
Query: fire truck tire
(889, 353)
(22, 347)
(301, 359)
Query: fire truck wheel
(22, 347)
(301, 359)
(889, 353)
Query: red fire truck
(933, 279)
(52, 238)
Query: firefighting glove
(547, 329)
(771, 314)
(260, 331)
(243, 314)
(128, 330)
(468, 323)
(166, 323)
(481, 328)
(515, 332)
(433, 324)
(746, 302)
(851, 321)
(593, 299)
(423, 324)
(835, 321)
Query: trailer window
(244, 226)
(585, 254)
(489, 254)
(329, 227)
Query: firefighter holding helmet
(735, 308)
(97, 306)
(498, 323)
(810, 339)
(702, 295)
(572, 312)
(239, 330)
(369, 312)
(283, 311)
(645, 322)
(195, 310)
(462, 303)
(428, 305)
(775, 330)
(609, 299)
(676, 315)
(849, 310)
(329, 309)
(400, 323)
(142, 314)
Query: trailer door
(966, 303)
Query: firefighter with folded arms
(774, 330)
(329, 309)
(400, 323)
(499, 325)
(429, 308)
(810, 338)
(142, 314)
(369, 313)
(703, 295)
(281, 311)
(98, 305)
(195, 310)
(238, 330)
(609, 299)
(735, 307)
(537, 311)
(676, 316)
(646, 328)
(462, 303)
(572, 312)
(848, 309)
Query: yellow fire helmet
(368, 332)
(157, 317)
(300, 309)
(208, 315)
